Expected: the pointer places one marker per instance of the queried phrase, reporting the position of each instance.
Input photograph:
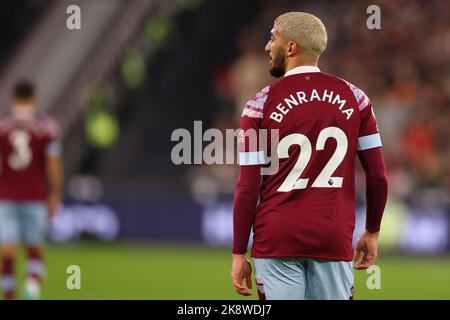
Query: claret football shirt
(306, 207)
(25, 141)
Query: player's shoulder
(44, 117)
(254, 107)
(6, 121)
(5, 116)
(275, 85)
(361, 98)
(47, 123)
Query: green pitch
(130, 271)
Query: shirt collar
(302, 69)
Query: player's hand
(366, 250)
(241, 269)
(53, 204)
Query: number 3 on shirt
(21, 155)
(324, 180)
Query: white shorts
(23, 222)
(304, 279)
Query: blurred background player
(30, 156)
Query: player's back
(307, 207)
(24, 141)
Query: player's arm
(55, 180)
(376, 187)
(370, 155)
(245, 200)
(366, 250)
(54, 174)
(251, 158)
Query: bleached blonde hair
(306, 30)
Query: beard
(278, 65)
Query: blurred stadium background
(141, 227)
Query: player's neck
(298, 62)
(23, 111)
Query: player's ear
(292, 48)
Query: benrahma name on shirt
(301, 97)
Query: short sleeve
(251, 152)
(369, 135)
(53, 145)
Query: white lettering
(301, 97)
(337, 99)
(282, 109)
(314, 95)
(276, 116)
(289, 101)
(348, 112)
(325, 96)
